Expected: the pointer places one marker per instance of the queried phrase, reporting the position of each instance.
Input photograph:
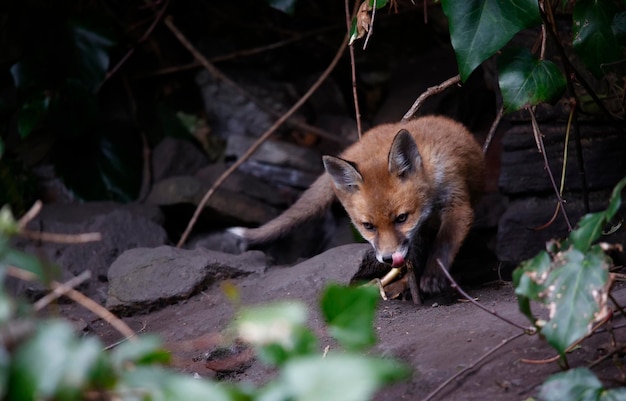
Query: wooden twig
(61, 290)
(61, 238)
(32, 212)
(234, 55)
(370, 31)
(219, 75)
(453, 284)
(143, 38)
(472, 365)
(413, 286)
(433, 90)
(80, 299)
(492, 129)
(262, 138)
(355, 97)
(539, 139)
(563, 170)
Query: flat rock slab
(143, 279)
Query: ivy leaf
(528, 281)
(277, 331)
(594, 39)
(286, 6)
(315, 378)
(479, 28)
(576, 295)
(108, 165)
(31, 113)
(147, 350)
(590, 226)
(69, 364)
(527, 81)
(578, 384)
(156, 384)
(349, 312)
(90, 60)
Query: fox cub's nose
(388, 259)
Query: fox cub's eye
(369, 226)
(401, 218)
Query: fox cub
(408, 188)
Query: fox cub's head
(386, 198)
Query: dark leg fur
(371, 268)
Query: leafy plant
(570, 279)
(45, 359)
(578, 384)
(480, 29)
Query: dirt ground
(443, 337)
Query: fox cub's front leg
(456, 220)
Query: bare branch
(80, 299)
(453, 283)
(262, 138)
(539, 139)
(472, 365)
(433, 90)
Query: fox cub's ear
(404, 158)
(345, 176)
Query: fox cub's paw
(239, 232)
(433, 282)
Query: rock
(276, 153)
(523, 215)
(122, 227)
(143, 279)
(231, 113)
(306, 280)
(223, 209)
(173, 157)
(248, 184)
(523, 172)
(280, 175)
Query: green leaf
(616, 199)
(528, 280)
(479, 28)
(28, 262)
(53, 364)
(619, 27)
(590, 226)
(32, 112)
(157, 384)
(338, 377)
(576, 295)
(8, 224)
(379, 3)
(349, 312)
(594, 39)
(278, 331)
(90, 59)
(588, 231)
(527, 81)
(108, 165)
(286, 6)
(146, 351)
(578, 384)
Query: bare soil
(442, 338)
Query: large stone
(225, 207)
(143, 279)
(122, 227)
(523, 168)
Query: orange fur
(392, 186)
